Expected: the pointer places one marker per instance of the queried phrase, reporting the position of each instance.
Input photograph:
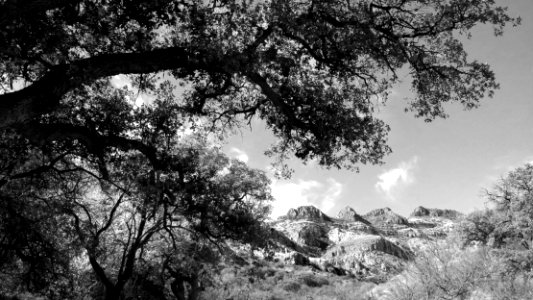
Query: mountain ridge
(376, 244)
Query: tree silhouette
(512, 196)
(312, 70)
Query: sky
(443, 164)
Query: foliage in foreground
(271, 282)
(489, 256)
(449, 272)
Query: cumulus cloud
(393, 181)
(239, 154)
(332, 193)
(289, 195)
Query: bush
(453, 273)
(313, 281)
(291, 286)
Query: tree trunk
(178, 289)
(193, 294)
(112, 294)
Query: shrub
(291, 286)
(453, 273)
(313, 281)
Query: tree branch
(95, 142)
(276, 99)
(44, 95)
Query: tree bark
(178, 289)
(112, 293)
(195, 289)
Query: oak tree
(313, 70)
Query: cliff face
(350, 215)
(310, 213)
(377, 243)
(384, 216)
(436, 212)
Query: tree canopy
(313, 70)
(508, 222)
(512, 197)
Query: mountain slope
(378, 243)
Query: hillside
(373, 245)
(432, 254)
(354, 255)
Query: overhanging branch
(44, 95)
(94, 141)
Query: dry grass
(298, 283)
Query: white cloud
(334, 190)
(289, 195)
(239, 154)
(393, 181)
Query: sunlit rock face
(420, 212)
(310, 213)
(370, 252)
(350, 215)
(385, 216)
(380, 242)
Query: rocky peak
(385, 216)
(379, 242)
(350, 215)
(420, 212)
(435, 212)
(310, 213)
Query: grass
(265, 282)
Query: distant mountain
(307, 213)
(375, 244)
(350, 215)
(436, 212)
(385, 216)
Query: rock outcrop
(385, 216)
(435, 212)
(376, 244)
(314, 235)
(350, 215)
(310, 213)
